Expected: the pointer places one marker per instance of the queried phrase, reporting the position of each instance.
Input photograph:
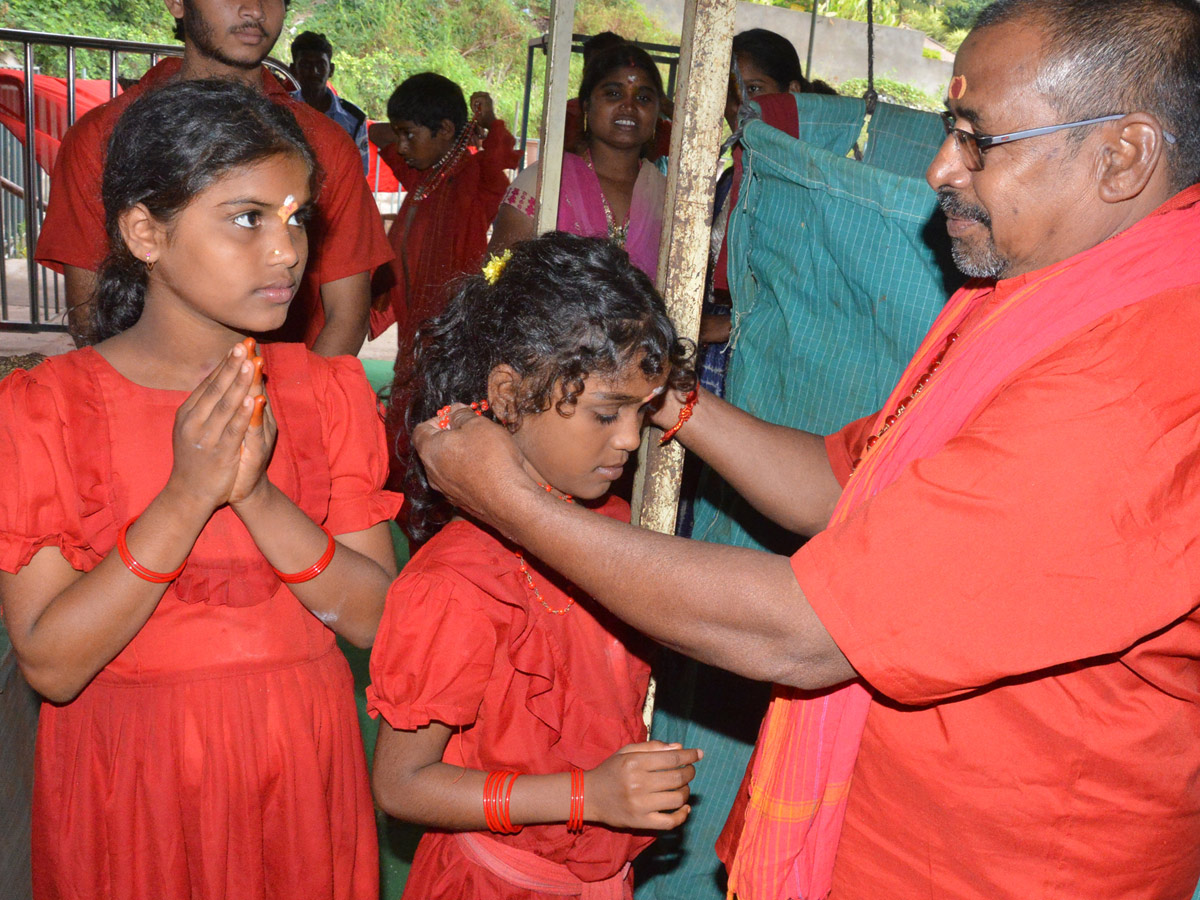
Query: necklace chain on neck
(441, 169)
(903, 406)
(616, 233)
(566, 498)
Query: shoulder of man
(329, 139)
(360, 117)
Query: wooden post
(687, 222)
(554, 113)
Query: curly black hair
(167, 147)
(565, 307)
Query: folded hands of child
(224, 434)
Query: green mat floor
(397, 840)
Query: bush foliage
(481, 44)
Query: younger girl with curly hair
(511, 704)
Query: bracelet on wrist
(685, 413)
(497, 795)
(575, 817)
(316, 568)
(136, 567)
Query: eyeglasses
(972, 145)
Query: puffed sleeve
(434, 652)
(38, 506)
(357, 447)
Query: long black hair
(563, 308)
(167, 147)
(773, 54)
(603, 62)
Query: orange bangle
(685, 413)
(489, 800)
(136, 567)
(497, 792)
(575, 817)
(505, 819)
(315, 569)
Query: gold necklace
(567, 498)
(616, 233)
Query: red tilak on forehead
(958, 87)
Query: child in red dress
(185, 538)
(511, 704)
(441, 230)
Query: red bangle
(136, 567)
(497, 792)
(505, 819)
(315, 569)
(685, 413)
(489, 815)
(575, 819)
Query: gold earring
(149, 263)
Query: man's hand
(470, 460)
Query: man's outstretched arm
(782, 472)
(731, 607)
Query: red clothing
(218, 755)
(463, 641)
(1037, 700)
(443, 236)
(345, 236)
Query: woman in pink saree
(610, 190)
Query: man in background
(229, 39)
(312, 66)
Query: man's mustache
(954, 206)
(250, 26)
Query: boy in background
(452, 196)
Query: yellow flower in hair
(495, 266)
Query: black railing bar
(70, 86)
(541, 42)
(51, 39)
(30, 167)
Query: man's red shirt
(345, 236)
(1023, 603)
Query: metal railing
(667, 54)
(24, 185)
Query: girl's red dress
(465, 642)
(218, 755)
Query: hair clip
(495, 266)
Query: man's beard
(200, 33)
(980, 261)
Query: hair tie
(494, 267)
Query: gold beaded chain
(907, 402)
(567, 498)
